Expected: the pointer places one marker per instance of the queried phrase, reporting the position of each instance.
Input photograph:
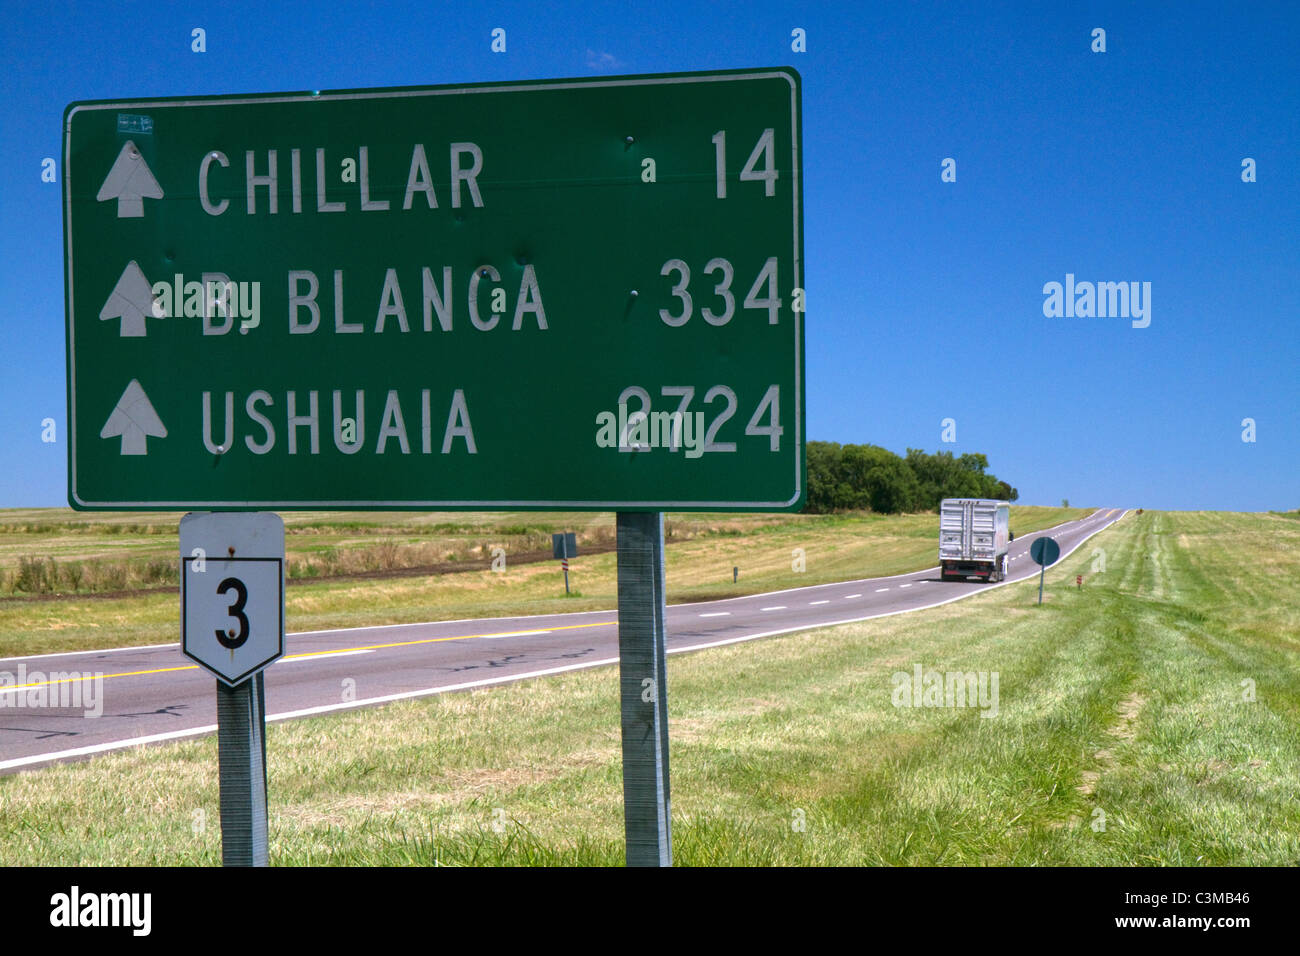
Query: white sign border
(785, 73)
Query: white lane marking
(492, 637)
(315, 657)
(808, 587)
(878, 590)
(777, 607)
(717, 614)
(850, 597)
(505, 678)
(907, 585)
(810, 603)
(465, 620)
(870, 617)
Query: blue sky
(925, 298)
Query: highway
(154, 694)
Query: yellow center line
(458, 637)
(289, 657)
(73, 680)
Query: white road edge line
(470, 620)
(505, 678)
(909, 610)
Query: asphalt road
(153, 694)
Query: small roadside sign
(564, 545)
(1044, 551)
(232, 592)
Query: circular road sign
(1044, 551)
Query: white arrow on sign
(131, 300)
(130, 182)
(134, 419)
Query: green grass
(702, 549)
(1125, 696)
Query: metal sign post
(241, 757)
(1044, 551)
(232, 623)
(643, 688)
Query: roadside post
(1043, 551)
(643, 688)
(232, 623)
(563, 547)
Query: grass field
(1164, 695)
(702, 549)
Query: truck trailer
(973, 536)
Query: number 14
(765, 147)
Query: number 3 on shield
(229, 638)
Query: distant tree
(823, 467)
(1065, 502)
(880, 479)
(868, 477)
(942, 476)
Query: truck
(973, 537)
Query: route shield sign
(232, 592)
(553, 294)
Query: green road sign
(554, 294)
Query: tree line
(871, 478)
